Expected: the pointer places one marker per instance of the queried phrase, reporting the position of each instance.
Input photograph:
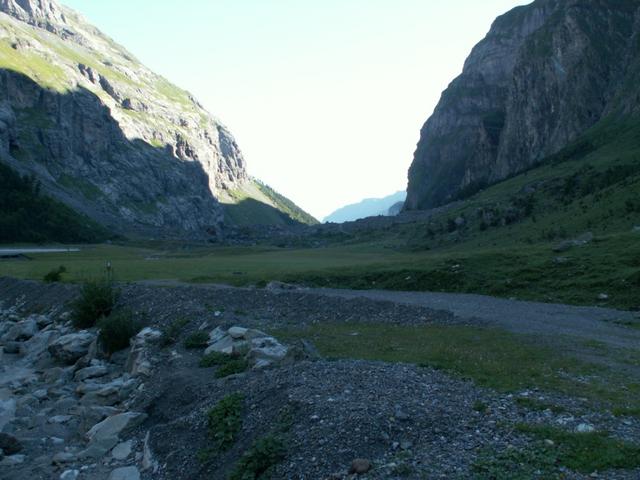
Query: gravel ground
(408, 421)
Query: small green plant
(225, 421)
(55, 275)
(197, 340)
(171, 332)
(587, 452)
(480, 406)
(233, 366)
(260, 459)
(97, 300)
(214, 359)
(537, 461)
(116, 330)
(227, 364)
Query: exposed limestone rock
(72, 347)
(544, 74)
(107, 136)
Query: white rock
(122, 450)
(71, 347)
(148, 335)
(59, 419)
(585, 428)
(12, 460)
(216, 334)
(70, 475)
(224, 345)
(112, 426)
(91, 372)
(237, 332)
(63, 457)
(125, 473)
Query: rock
(148, 335)
(9, 444)
(41, 394)
(112, 426)
(216, 334)
(224, 345)
(21, 331)
(59, 419)
(275, 285)
(7, 411)
(603, 296)
(360, 466)
(266, 351)
(63, 457)
(636, 229)
(70, 475)
(70, 348)
(237, 332)
(91, 372)
(125, 473)
(585, 428)
(12, 460)
(122, 450)
(148, 462)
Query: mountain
(104, 135)
(369, 207)
(545, 75)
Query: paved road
(590, 323)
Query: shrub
(231, 367)
(265, 453)
(55, 275)
(214, 358)
(225, 421)
(228, 364)
(97, 300)
(171, 333)
(197, 340)
(116, 330)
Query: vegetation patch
(97, 300)
(227, 364)
(587, 452)
(224, 422)
(491, 357)
(260, 459)
(537, 461)
(171, 332)
(27, 215)
(196, 340)
(116, 330)
(55, 275)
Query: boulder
(91, 372)
(125, 473)
(70, 348)
(360, 466)
(114, 425)
(21, 331)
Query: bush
(97, 300)
(116, 330)
(171, 333)
(265, 453)
(231, 367)
(225, 421)
(197, 340)
(55, 275)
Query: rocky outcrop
(545, 74)
(104, 134)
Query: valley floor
(422, 385)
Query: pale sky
(326, 98)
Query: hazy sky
(326, 98)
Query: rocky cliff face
(103, 133)
(544, 75)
